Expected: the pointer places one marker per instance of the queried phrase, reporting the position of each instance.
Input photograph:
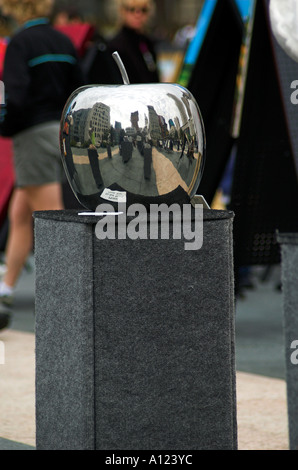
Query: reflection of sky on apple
(126, 99)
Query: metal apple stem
(121, 67)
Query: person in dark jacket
(132, 42)
(41, 70)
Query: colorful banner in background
(243, 69)
(245, 8)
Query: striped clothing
(41, 70)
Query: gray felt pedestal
(289, 255)
(134, 338)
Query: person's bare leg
(45, 197)
(20, 236)
(20, 240)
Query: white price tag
(114, 196)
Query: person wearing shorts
(41, 140)
(41, 70)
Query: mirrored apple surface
(134, 143)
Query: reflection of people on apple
(109, 151)
(183, 143)
(126, 149)
(135, 47)
(140, 145)
(92, 134)
(67, 151)
(190, 152)
(94, 164)
(147, 161)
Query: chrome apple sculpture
(132, 143)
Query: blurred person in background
(62, 16)
(96, 61)
(133, 43)
(41, 70)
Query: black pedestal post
(134, 338)
(289, 252)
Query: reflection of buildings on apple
(116, 133)
(155, 129)
(187, 124)
(154, 125)
(99, 119)
(79, 123)
(134, 119)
